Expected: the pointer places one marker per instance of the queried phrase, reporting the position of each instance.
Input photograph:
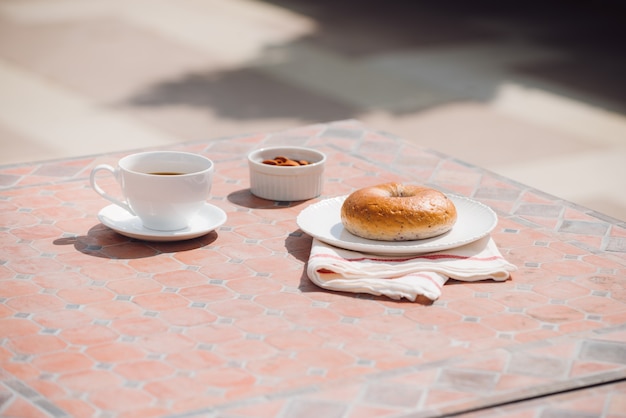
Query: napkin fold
(405, 276)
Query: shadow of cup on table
(101, 241)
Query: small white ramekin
(282, 183)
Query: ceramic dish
(209, 218)
(281, 183)
(322, 220)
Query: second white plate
(322, 220)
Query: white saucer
(119, 220)
(322, 220)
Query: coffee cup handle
(101, 192)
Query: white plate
(119, 220)
(322, 220)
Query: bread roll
(397, 212)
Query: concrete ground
(535, 91)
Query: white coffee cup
(165, 189)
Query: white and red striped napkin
(405, 276)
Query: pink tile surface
(96, 324)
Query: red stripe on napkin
(427, 277)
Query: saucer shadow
(246, 199)
(101, 241)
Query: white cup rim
(126, 161)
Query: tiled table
(96, 324)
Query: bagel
(397, 212)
